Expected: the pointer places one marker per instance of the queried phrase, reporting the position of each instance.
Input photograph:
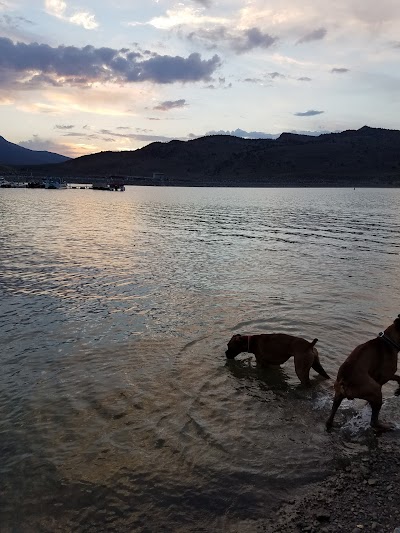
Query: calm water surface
(118, 409)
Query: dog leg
(375, 423)
(336, 403)
(302, 364)
(318, 367)
(375, 400)
(397, 379)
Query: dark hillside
(368, 157)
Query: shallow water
(118, 409)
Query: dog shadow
(273, 378)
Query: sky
(83, 76)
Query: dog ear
(314, 342)
(397, 322)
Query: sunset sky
(82, 76)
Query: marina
(59, 184)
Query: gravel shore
(362, 495)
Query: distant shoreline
(234, 184)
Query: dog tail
(318, 368)
(314, 342)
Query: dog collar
(389, 341)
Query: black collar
(389, 341)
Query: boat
(4, 183)
(108, 186)
(54, 183)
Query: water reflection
(118, 405)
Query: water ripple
(119, 409)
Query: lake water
(119, 411)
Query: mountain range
(364, 157)
(16, 155)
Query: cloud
(253, 80)
(310, 113)
(58, 9)
(64, 127)
(168, 104)
(110, 135)
(205, 3)
(84, 19)
(339, 70)
(252, 38)
(242, 133)
(14, 22)
(315, 35)
(47, 145)
(276, 75)
(182, 16)
(304, 78)
(261, 135)
(238, 41)
(82, 66)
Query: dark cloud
(253, 80)
(276, 75)
(219, 84)
(304, 78)
(205, 3)
(315, 35)
(339, 70)
(170, 104)
(76, 134)
(64, 126)
(89, 64)
(239, 42)
(13, 22)
(252, 38)
(310, 113)
(213, 87)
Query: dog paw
(382, 427)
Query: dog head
(393, 330)
(236, 345)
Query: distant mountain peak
(16, 155)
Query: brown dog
(367, 368)
(277, 348)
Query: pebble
(322, 516)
